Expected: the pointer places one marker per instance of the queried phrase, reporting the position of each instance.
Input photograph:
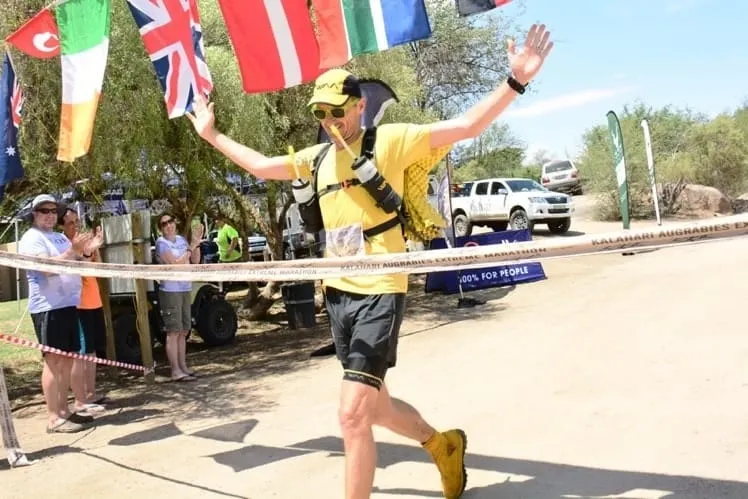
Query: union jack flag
(173, 38)
(16, 103)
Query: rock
(740, 204)
(702, 199)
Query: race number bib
(345, 241)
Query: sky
(608, 53)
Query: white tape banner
(401, 263)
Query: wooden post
(111, 351)
(141, 299)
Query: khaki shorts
(176, 311)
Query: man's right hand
(202, 118)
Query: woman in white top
(175, 296)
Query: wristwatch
(515, 85)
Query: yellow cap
(334, 87)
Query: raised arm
(259, 165)
(525, 65)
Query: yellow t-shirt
(397, 146)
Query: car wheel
(217, 322)
(519, 220)
(462, 225)
(559, 226)
(126, 339)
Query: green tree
(495, 153)
(464, 60)
(668, 128)
(716, 154)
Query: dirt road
(617, 377)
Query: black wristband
(515, 85)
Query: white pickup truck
(516, 203)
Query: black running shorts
(94, 330)
(58, 328)
(365, 329)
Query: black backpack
(367, 147)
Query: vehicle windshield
(461, 190)
(558, 166)
(525, 185)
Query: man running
(366, 311)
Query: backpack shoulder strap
(315, 164)
(367, 143)
(367, 149)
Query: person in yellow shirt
(366, 311)
(227, 240)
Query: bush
(687, 148)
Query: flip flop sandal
(101, 400)
(90, 409)
(81, 418)
(184, 378)
(65, 426)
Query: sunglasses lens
(319, 114)
(337, 112)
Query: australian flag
(11, 102)
(173, 37)
(379, 96)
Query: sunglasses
(335, 112)
(167, 222)
(46, 211)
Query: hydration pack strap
(367, 149)
(367, 143)
(341, 185)
(383, 227)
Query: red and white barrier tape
(14, 340)
(437, 260)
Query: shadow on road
(539, 480)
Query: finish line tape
(399, 263)
(14, 340)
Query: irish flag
(84, 39)
(347, 28)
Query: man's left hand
(526, 63)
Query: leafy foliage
(687, 148)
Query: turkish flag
(38, 37)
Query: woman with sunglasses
(175, 296)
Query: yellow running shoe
(447, 449)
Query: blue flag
(11, 102)
(379, 96)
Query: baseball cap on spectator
(42, 199)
